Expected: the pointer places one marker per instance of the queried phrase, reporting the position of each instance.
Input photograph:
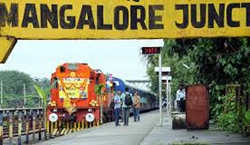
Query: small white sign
(53, 117)
(166, 78)
(90, 117)
(163, 69)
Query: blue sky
(39, 58)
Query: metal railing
(27, 125)
(18, 122)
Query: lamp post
(168, 93)
(154, 51)
(160, 87)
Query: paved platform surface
(146, 132)
(109, 134)
(165, 135)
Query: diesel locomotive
(79, 93)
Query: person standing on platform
(122, 111)
(133, 108)
(137, 106)
(181, 95)
(127, 103)
(117, 101)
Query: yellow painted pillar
(86, 124)
(34, 113)
(74, 127)
(98, 122)
(19, 140)
(10, 128)
(55, 125)
(47, 125)
(78, 125)
(68, 125)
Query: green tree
(16, 85)
(44, 83)
(179, 73)
(213, 62)
(220, 62)
(13, 82)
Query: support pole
(160, 91)
(19, 139)
(167, 97)
(101, 109)
(40, 118)
(10, 117)
(170, 98)
(27, 125)
(24, 95)
(34, 115)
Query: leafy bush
(230, 117)
(228, 122)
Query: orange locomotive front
(73, 95)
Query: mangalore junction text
(120, 19)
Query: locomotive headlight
(72, 66)
(55, 110)
(90, 110)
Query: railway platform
(146, 132)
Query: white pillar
(160, 91)
(170, 98)
(167, 95)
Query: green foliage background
(212, 62)
(13, 89)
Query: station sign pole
(154, 51)
(168, 94)
(160, 91)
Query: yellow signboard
(73, 88)
(123, 19)
(6, 46)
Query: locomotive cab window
(55, 82)
(72, 66)
(97, 80)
